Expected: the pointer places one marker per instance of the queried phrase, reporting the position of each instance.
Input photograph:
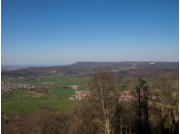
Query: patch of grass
(58, 80)
(21, 101)
(24, 101)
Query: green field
(26, 101)
(58, 80)
(23, 101)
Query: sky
(67, 31)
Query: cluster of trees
(104, 113)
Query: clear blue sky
(66, 31)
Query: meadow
(26, 101)
(56, 79)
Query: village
(80, 95)
(125, 96)
(6, 86)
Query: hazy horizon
(74, 63)
(64, 32)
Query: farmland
(57, 80)
(28, 101)
(24, 102)
(53, 84)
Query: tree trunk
(107, 127)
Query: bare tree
(102, 87)
(168, 106)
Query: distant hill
(17, 67)
(84, 68)
(12, 67)
(121, 65)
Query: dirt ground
(36, 94)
